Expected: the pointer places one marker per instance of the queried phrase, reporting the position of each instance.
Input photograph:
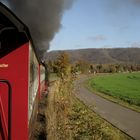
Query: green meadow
(122, 86)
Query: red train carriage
(19, 78)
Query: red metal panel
(42, 83)
(3, 123)
(4, 111)
(14, 67)
(43, 87)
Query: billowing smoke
(135, 1)
(43, 17)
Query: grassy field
(122, 86)
(69, 119)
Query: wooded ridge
(101, 56)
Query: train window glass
(11, 40)
(0, 45)
(10, 37)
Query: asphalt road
(123, 118)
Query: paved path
(123, 118)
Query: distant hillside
(102, 56)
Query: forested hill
(101, 56)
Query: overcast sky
(99, 23)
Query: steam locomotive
(22, 78)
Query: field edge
(109, 97)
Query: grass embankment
(123, 88)
(69, 119)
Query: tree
(62, 65)
(83, 66)
(50, 65)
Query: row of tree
(63, 67)
(113, 68)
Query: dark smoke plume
(43, 17)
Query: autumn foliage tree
(62, 65)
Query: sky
(99, 24)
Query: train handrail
(6, 28)
(9, 105)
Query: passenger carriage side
(19, 78)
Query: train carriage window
(12, 33)
(10, 40)
(0, 45)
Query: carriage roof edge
(13, 21)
